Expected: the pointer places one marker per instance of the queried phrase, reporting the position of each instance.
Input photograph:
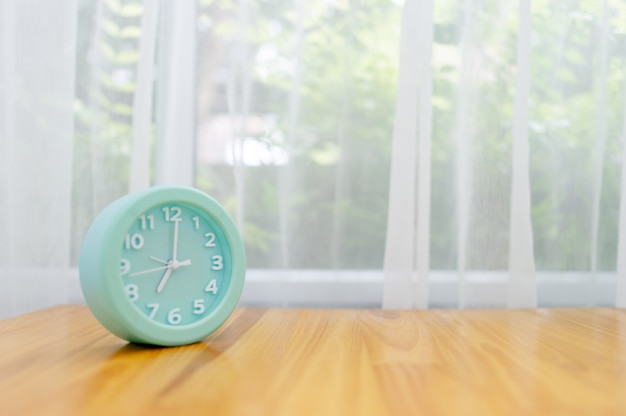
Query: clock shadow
(136, 374)
(134, 350)
(126, 372)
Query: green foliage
(326, 75)
(334, 63)
(107, 52)
(566, 132)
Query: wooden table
(60, 361)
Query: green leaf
(131, 10)
(127, 57)
(113, 5)
(257, 238)
(122, 109)
(326, 156)
(108, 51)
(110, 27)
(130, 32)
(102, 100)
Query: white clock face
(175, 264)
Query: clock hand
(177, 264)
(171, 265)
(175, 239)
(158, 259)
(164, 279)
(150, 270)
(170, 268)
(174, 263)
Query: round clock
(164, 266)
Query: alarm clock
(164, 266)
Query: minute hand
(169, 264)
(149, 270)
(175, 240)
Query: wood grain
(60, 361)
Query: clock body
(164, 266)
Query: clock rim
(103, 286)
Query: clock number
(172, 214)
(147, 221)
(124, 266)
(196, 222)
(198, 306)
(134, 241)
(211, 287)
(174, 317)
(132, 291)
(211, 240)
(154, 307)
(218, 262)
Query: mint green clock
(164, 266)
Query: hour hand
(164, 279)
(171, 266)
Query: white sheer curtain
(531, 150)
(457, 153)
(37, 61)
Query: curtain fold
(424, 165)
(599, 150)
(287, 182)
(522, 287)
(620, 293)
(37, 44)
(143, 98)
(239, 91)
(175, 123)
(465, 126)
(399, 260)
(407, 247)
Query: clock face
(164, 266)
(175, 264)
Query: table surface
(324, 362)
